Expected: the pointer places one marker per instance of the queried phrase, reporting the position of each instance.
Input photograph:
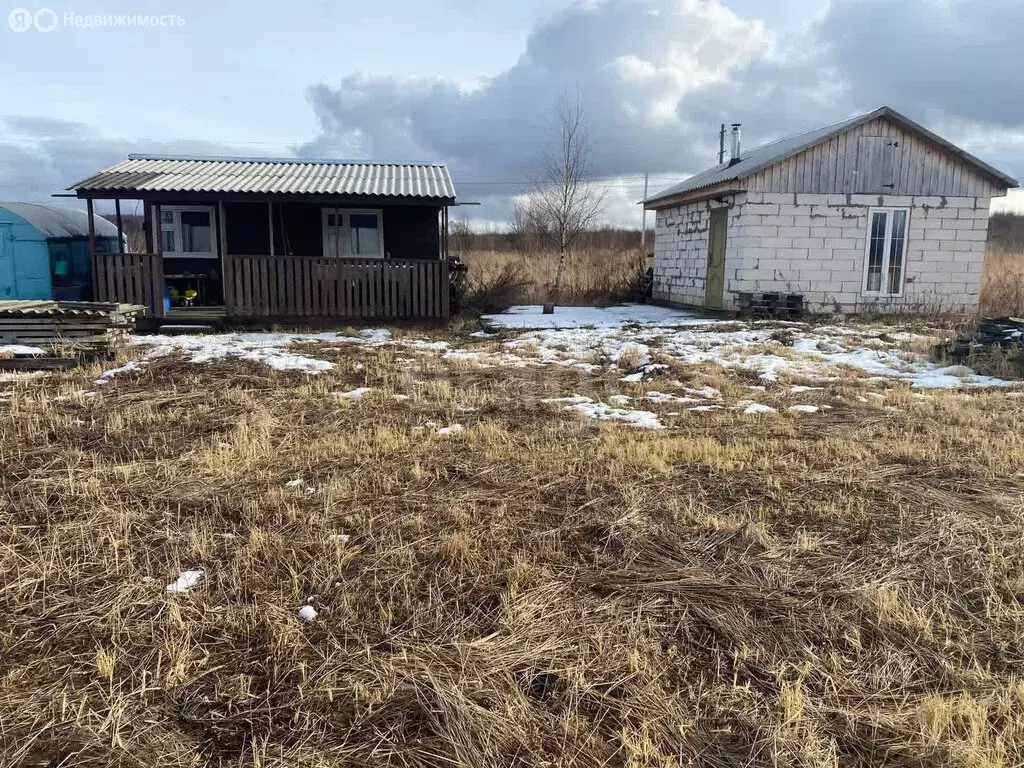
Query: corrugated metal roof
(758, 158)
(55, 221)
(147, 173)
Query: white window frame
(176, 228)
(345, 232)
(886, 253)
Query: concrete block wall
(814, 244)
(681, 251)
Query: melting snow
(753, 408)
(803, 408)
(354, 394)
(184, 582)
(20, 349)
(450, 430)
(129, 367)
(604, 412)
(307, 613)
(532, 316)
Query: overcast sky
(473, 83)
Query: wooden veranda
(284, 287)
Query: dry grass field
(1002, 288)
(595, 275)
(840, 587)
(606, 275)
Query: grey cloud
(43, 155)
(936, 59)
(657, 77)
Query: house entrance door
(714, 282)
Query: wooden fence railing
(129, 278)
(305, 286)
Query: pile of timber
(89, 326)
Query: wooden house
(260, 240)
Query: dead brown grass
(1002, 287)
(593, 275)
(842, 588)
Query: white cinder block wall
(814, 245)
(681, 251)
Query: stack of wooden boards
(80, 326)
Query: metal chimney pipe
(734, 157)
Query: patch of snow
(375, 335)
(450, 430)
(532, 316)
(604, 412)
(294, 483)
(266, 348)
(704, 408)
(620, 400)
(803, 408)
(483, 334)
(755, 408)
(665, 397)
(130, 367)
(307, 613)
(354, 394)
(426, 346)
(798, 388)
(184, 582)
(342, 538)
(462, 354)
(20, 350)
(645, 371)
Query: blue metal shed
(44, 251)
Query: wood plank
(157, 268)
(445, 292)
(158, 262)
(226, 265)
(304, 287)
(429, 288)
(111, 289)
(246, 264)
(146, 269)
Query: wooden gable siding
(920, 167)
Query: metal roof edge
(278, 160)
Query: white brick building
(874, 213)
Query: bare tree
(460, 236)
(525, 230)
(564, 201)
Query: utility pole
(643, 222)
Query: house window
(886, 252)
(188, 231)
(353, 233)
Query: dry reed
(836, 589)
